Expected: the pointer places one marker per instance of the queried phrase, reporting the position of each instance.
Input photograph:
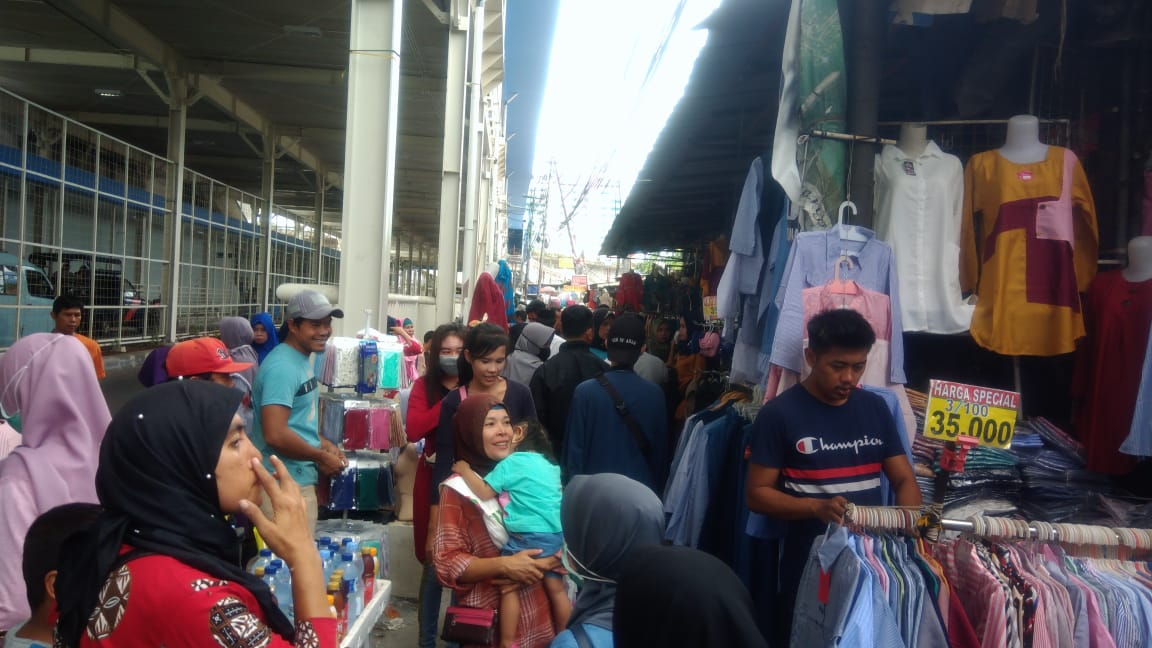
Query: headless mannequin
(1139, 260)
(1022, 143)
(913, 139)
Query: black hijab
(598, 317)
(677, 596)
(157, 483)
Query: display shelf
(360, 634)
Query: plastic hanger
(847, 232)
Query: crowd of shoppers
(541, 461)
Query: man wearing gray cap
(286, 399)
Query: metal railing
(87, 214)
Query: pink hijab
(49, 379)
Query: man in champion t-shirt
(822, 444)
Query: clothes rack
(845, 137)
(910, 520)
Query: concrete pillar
(449, 238)
(475, 144)
(177, 122)
(370, 160)
(267, 193)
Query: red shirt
(159, 601)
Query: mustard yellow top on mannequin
(1025, 252)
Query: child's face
(259, 335)
(663, 333)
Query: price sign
(710, 309)
(955, 409)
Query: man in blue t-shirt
(822, 444)
(286, 400)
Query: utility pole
(543, 232)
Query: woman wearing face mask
(420, 422)
(160, 566)
(481, 365)
(48, 384)
(466, 559)
(604, 517)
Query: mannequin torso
(1022, 143)
(913, 139)
(1139, 260)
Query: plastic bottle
(369, 577)
(260, 560)
(341, 608)
(353, 589)
(326, 563)
(332, 605)
(357, 558)
(269, 578)
(283, 587)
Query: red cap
(201, 356)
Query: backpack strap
(581, 636)
(622, 410)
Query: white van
(35, 294)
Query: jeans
(428, 614)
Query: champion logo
(812, 445)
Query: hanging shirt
(1108, 368)
(1028, 248)
(1139, 441)
(812, 262)
(919, 202)
(742, 273)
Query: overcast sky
(609, 93)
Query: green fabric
(822, 92)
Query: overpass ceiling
(284, 58)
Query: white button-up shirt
(919, 204)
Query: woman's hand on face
(523, 567)
(288, 534)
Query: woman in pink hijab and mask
(47, 380)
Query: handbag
(469, 625)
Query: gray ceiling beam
(117, 27)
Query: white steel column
(321, 189)
(475, 143)
(267, 193)
(449, 239)
(177, 121)
(370, 160)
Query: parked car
(100, 282)
(36, 291)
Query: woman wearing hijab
(175, 462)
(421, 420)
(466, 559)
(236, 334)
(532, 348)
(264, 337)
(605, 517)
(602, 319)
(48, 384)
(678, 596)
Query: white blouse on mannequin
(919, 202)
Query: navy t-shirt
(826, 450)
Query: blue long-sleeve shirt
(597, 439)
(811, 263)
